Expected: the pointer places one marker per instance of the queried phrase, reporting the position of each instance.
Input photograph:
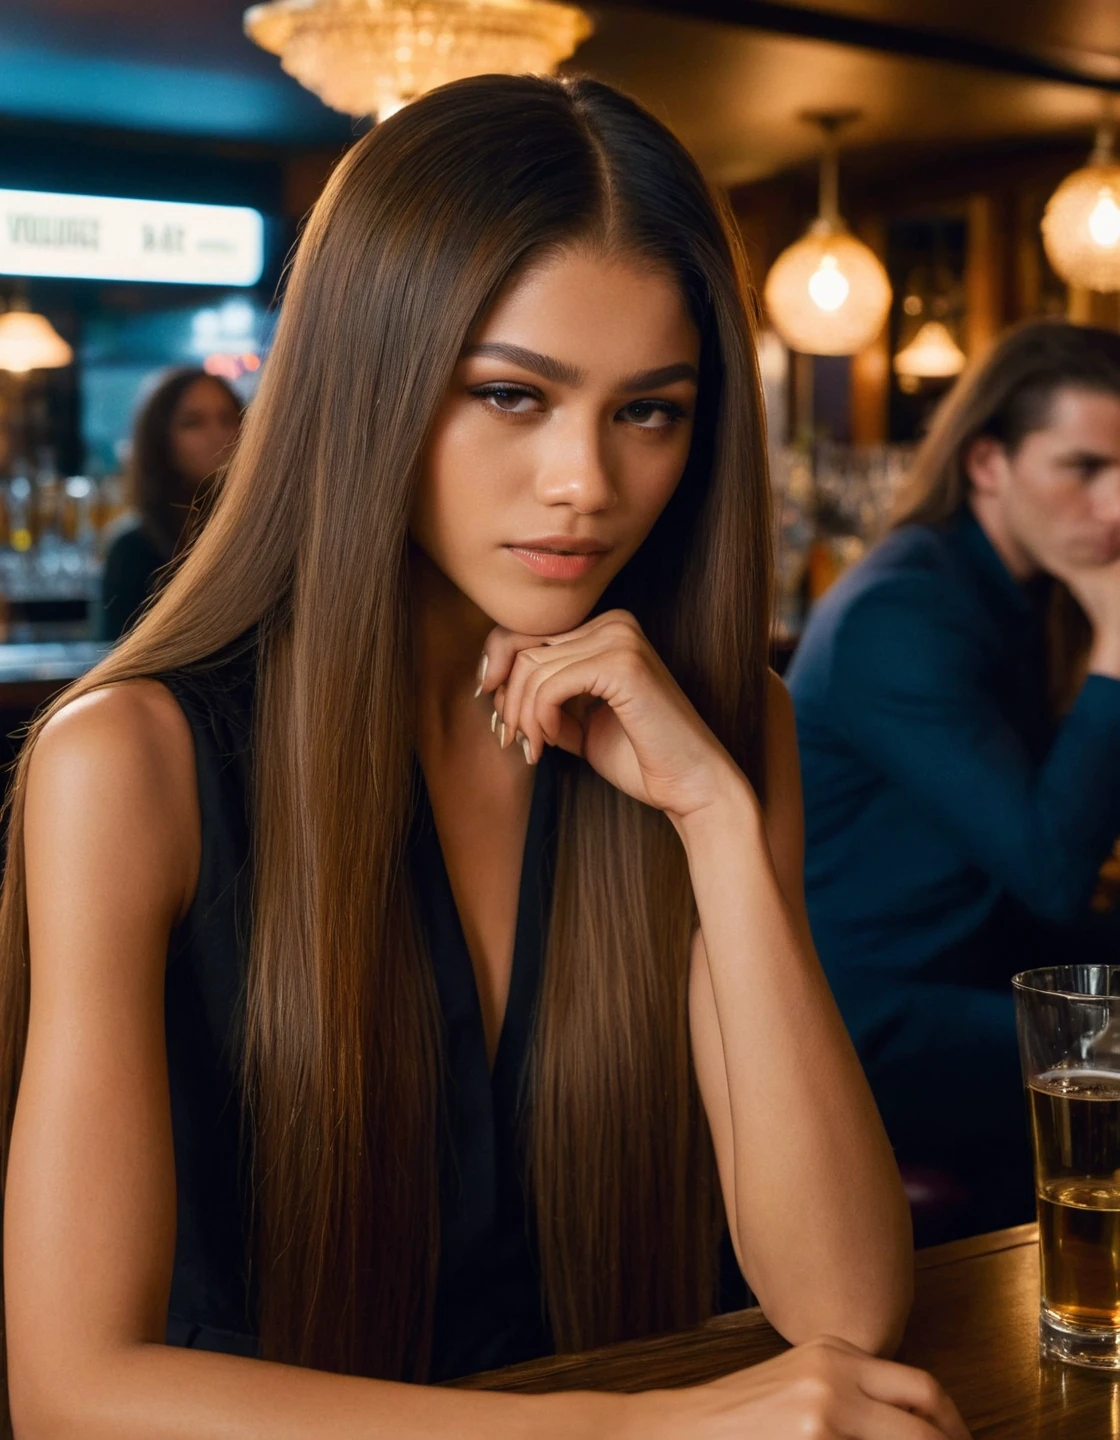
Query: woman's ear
(985, 464)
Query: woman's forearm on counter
(160, 1392)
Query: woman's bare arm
(818, 1215)
(112, 836)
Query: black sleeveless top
(488, 1308)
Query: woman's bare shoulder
(131, 730)
(115, 767)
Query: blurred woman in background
(184, 433)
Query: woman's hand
(825, 1388)
(601, 691)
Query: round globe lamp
(828, 294)
(1081, 226)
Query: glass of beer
(1068, 1018)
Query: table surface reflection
(974, 1325)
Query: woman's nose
(575, 470)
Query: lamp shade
(1081, 227)
(369, 57)
(828, 294)
(932, 354)
(30, 342)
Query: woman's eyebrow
(548, 368)
(561, 373)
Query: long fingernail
(525, 747)
(493, 722)
(502, 737)
(482, 664)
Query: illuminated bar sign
(95, 237)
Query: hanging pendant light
(933, 354)
(370, 57)
(828, 294)
(30, 342)
(1081, 226)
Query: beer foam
(1084, 1084)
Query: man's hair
(1007, 394)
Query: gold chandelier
(370, 57)
(1081, 226)
(828, 294)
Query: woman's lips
(555, 566)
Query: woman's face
(204, 427)
(566, 428)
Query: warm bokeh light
(30, 342)
(932, 354)
(230, 367)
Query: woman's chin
(542, 615)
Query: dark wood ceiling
(1073, 39)
(730, 75)
(735, 93)
(1081, 34)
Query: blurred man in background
(958, 711)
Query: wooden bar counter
(974, 1326)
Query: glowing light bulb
(827, 294)
(827, 285)
(1104, 222)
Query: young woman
(184, 433)
(405, 963)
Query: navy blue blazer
(944, 805)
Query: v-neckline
(527, 936)
(486, 1230)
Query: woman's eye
(507, 399)
(652, 414)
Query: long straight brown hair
(422, 224)
(1006, 394)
